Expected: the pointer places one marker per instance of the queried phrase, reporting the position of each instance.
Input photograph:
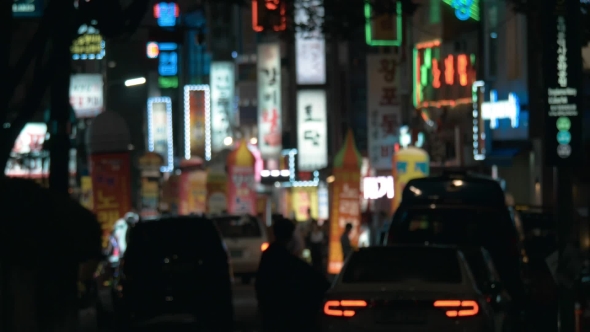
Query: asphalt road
(245, 316)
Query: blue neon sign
(168, 65)
(462, 9)
(166, 13)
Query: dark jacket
(289, 291)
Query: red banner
(111, 176)
(241, 190)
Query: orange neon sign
(261, 13)
(441, 79)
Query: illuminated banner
(222, 103)
(269, 15)
(563, 82)
(303, 200)
(160, 137)
(346, 206)
(27, 8)
(378, 187)
(89, 45)
(111, 185)
(86, 94)
(30, 143)
(269, 101)
(385, 29)
(312, 130)
(383, 109)
(197, 128)
(310, 46)
(495, 110)
(442, 79)
(241, 187)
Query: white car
(245, 238)
(406, 288)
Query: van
(245, 238)
(466, 210)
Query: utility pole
(59, 124)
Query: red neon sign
(441, 79)
(268, 10)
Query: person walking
(282, 275)
(345, 241)
(317, 242)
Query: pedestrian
(289, 291)
(317, 242)
(345, 241)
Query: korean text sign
(89, 45)
(86, 94)
(383, 109)
(222, 103)
(563, 82)
(269, 100)
(111, 176)
(160, 128)
(241, 190)
(310, 46)
(312, 133)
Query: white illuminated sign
(310, 46)
(160, 136)
(86, 94)
(312, 131)
(222, 103)
(504, 109)
(270, 133)
(383, 108)
(378, 187)
(30, 143)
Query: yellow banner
(304, 198)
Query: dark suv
(175, 265)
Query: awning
(501, 157)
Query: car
(489, 283)
(406, 288)
(246, 238)
(175, 265)
(465, 210)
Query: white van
(245, 238)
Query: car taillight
(264, 246)
(458, 308)
(343, 308)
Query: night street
(244, 304)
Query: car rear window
(188, 236)
(393, 265)
(461, 226)
(239, 227)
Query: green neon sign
(369, 28)
(464, 12)
(168, 82)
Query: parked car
(175, 265)
(245, 237)
(406, 288)
(464, 210)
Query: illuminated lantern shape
(408, 164)
(271, 12)
(166, 13)
(152, 50)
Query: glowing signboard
(160, 137)
(270, 131)
(312, 130)
(168, 59)
(465, 9)
(378, 187)
(310, 46)
(383, 30)
(27, 8)
(166, 13)
(222, 102)
(269, 13)
(479, 151)
(504, 109)
(152, 50)
(442, 79)
(89, 45)
(197, 126)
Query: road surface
(245, 316)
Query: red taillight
(343, 308)
(264, 246)
(458, 308)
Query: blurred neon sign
(263, 10)
(166, 13)
(465, 9)
(503, 109)
(383, 24)
(378, 187)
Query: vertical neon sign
(263, 9)
(166, 13)
(394, 23)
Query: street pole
(59, 125)
(564, 215)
